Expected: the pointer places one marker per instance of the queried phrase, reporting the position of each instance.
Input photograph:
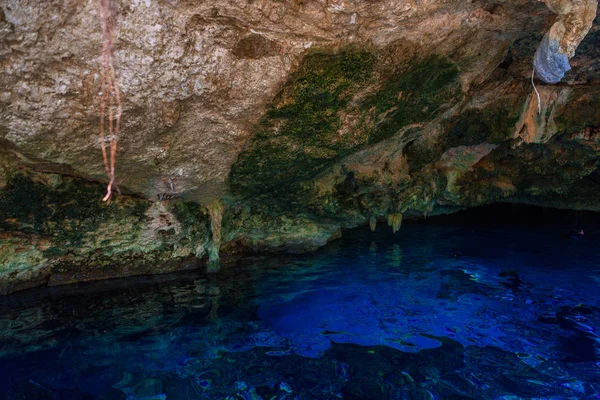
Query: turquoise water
(455, 308)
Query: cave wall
(300, 117)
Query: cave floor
(450, 308)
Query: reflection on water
(433, 312)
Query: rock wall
(301, 117)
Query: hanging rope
(536, 92)
(110, 99)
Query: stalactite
(373, 223)
(395, 221)
(215, 212)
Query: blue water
(444, 309)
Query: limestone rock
(301, 117)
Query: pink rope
(111, 98)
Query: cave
(283, 199)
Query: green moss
(297, 138)
(194, 223)
(54, 252)
(495, 124)
(190, 215)
(67, 208)
(413, 96)
(255, 227)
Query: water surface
(454, 308)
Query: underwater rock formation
(303, 117)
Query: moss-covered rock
(493, 124)
(256, 228)
(298, 136)
(56, 229)
(303, 133)
(195, 229)
(62, 207)
(412, 96)
(23, 259)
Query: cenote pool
(472, 306)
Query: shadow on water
(493, 303)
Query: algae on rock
(307, 131)
(66, 234)
(298, 136)
(195, 231)
(412, 96)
